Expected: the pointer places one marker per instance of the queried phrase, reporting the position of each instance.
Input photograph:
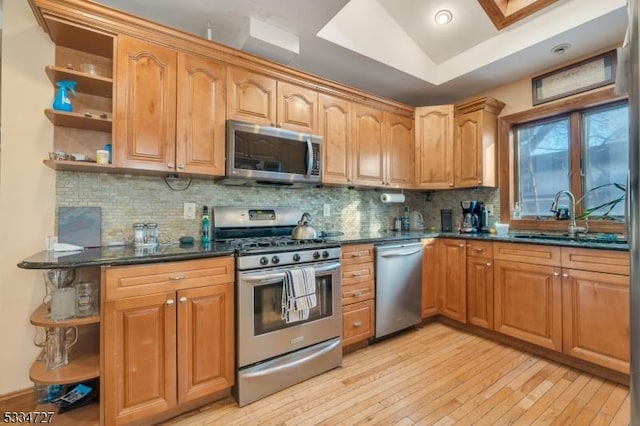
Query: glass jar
(138, 234)
(152, 233)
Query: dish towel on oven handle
(298, 294)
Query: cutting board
(80, 226)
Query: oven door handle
(279, 276)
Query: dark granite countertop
(594, 241)
(123, 256)
(174, 252)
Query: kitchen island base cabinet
(163, 350)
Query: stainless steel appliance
(259, 154)
(272, 354)
(398, 286)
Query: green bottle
(205, 228)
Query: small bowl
(502, 229)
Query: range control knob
(316, 255)
(264, 260)
(296, 257)
(325, 254)
(275, 260)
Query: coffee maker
(474, 217)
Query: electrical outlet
(189, 210)
(326, 210)
(489, 208)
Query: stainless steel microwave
(261, 154)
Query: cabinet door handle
(183, 299)
(357, 324)
(176, 277)
(169, 302)
(180, 166)
(489, 264)
(556, 274)
(565, 275)
(170, 165)
(461, 245)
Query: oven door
(263, 334)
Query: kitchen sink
(596, 238)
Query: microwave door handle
(309, 157)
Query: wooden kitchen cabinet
(434, 147)
(368, 146)
(480, 283)
(429, 277)
(358, 293)
(399, 151)
(167, 336)
(259, 99)
(595, 306)
(452, 277)
(89, 126)
(528, 293)
(475, 143)
(170, 110)
(335, 129)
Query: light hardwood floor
(434, 375)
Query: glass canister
(87, 299)
(138, 234)
(152, 233)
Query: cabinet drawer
(482, 249)
(357, 322)
(357, 253)
(608, 261)
(358, 272)
(527, 253)
(138, 280)
(358, 292)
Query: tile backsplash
(126, 199)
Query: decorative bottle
(205, 228)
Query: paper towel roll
(392, 198)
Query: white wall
(27, 187)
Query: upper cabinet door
(145, 105)
(368, 146)
(434, 147)
(399, 149)
(201, 115)
(297, 108)
(335, 128)
(251, 97)
(468, 150)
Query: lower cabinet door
(595, 309)
(357, 322)
(480, 292)
(429, 278)
(139, 357)
(205, 341)
(528, 302)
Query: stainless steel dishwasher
(398, 286)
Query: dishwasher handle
(399, 253)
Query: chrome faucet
(573, 228)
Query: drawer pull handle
(479, 249)
(176, 277)
(461, 245)
(357, 293)
(359, 254)
(356, 274)
(556, 274)
(183, 299)
(169, 302)
(357, 324)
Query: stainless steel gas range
(273, 351)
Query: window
(583, 151)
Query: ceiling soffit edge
(506, 12)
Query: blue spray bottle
(62, 101)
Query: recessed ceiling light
(561, 48)
(443, 16)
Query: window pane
(606, 136)
(543, 164)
